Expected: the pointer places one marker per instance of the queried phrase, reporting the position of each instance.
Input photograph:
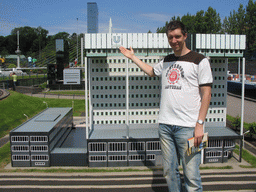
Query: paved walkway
(234, 108)
(4, 140)
(3, 94)
(55, 96)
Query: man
(186, 93)
(34, 60)
(29, 61)
(2, 62)
(14, 76)
(75, 61)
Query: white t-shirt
(181, 77)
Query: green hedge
(236, 123)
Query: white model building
(122, 95)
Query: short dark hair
(176, 25)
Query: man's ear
(186, 35)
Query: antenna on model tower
(110, 26)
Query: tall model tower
(92, 17)
(110, 26)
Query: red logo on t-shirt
(173, 76)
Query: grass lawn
(247, 157)
(22, 77)
(5, 155)
(13, 108)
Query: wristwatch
(199, 121)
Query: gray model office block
(33, 141)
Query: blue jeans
(174, 145)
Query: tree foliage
(30, 40)
(250, 19)
(189, 21)
(203, 22)
(242, 21)
(235, 23)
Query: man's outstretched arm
(205, 101)
(144, 67)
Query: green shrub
(12, 66)
(43, 86)
(252, 129)
(236, 123)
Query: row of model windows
(123, 121)
(218, 51)
(144, 78)
(108, 87)
(143, 104)
(218, 95)
(218, 61)
(137, 113)
(119, 87)
(140, 87)
(214, 119)
(107, 70)
(219, 78)
(135, 69)
(115, 61)
(216, 111)
(124, 96)
(217, 103)
(218, 69)
(120, 96)
(124, 104)
(218, 86)
(103, 122)
(120, 113)
(135, 51)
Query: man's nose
(174, 40)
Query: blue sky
(132, 16)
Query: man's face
(176, 40)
